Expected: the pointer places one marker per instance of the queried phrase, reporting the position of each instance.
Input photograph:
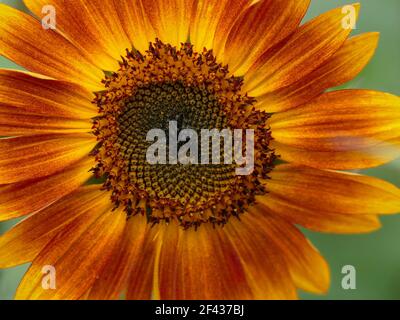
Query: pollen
(168, 84)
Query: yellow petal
(27, 197)
(42, 155)
(333, 192)
(78, 254)
(32, 105)
(141, 282)
(211, 22)
(25, 240)
(265, 266)
(346, 129)
(24, 41)
(307, 267)
(113, 279)
(259, 28)
(342, 67)
(309, 47)
(136, 24)
(92, 26)
(318, 220)
(200, 264)
(170, 19)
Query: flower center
(190, 91)
(155, 106)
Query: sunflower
(113, 225)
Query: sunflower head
(193, 89)
(113, 71)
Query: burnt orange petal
(79, 253)
(24, 41)
(342, 67)
(333, 192)
(32, 157)
(309, 47)
(263, 25)
(112, 281)
(141, 282)
(264, 264)
(307, 267)
(229, 16)
(211, 22)
(136, 24)
(201, 265)
(25, 240)
(170, 19)
(92, 26)
(27, 197)
(318, 220)
(32, 105)
(346, 129)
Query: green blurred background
(375, 256)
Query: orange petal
(345, 129)
(333, 192)
(24, 41)
(27, 197)
(228, 17)
(103, 39)
(61, 98)
(79, 253)
(342, 67)
(32, 105)
(201, 265)
(264, 263)
(321, 221)
(170, 19)
(142, 274)
(307, 267)
(211, 22)
(113, 279)
(136, 24)
(25, 240)
(259, 28)
(309, 47)
(32, 157)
